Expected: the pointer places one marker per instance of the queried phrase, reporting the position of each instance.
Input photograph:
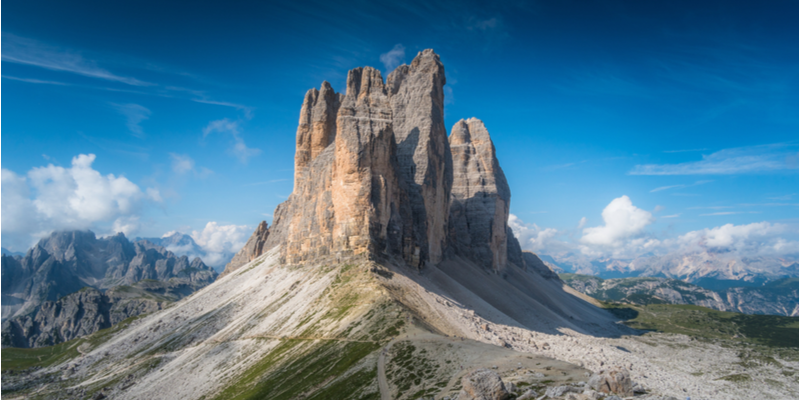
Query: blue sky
(689, 109)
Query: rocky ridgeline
(376, 174)
(55, 292)
(776, 298)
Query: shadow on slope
(514, 298)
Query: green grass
(325, 369)
(15, 358)
(701, 322)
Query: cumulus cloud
(56, 198)
(220, 242)
(754, 238)
(622, 220)
(239, 148)
(392, 58)
(531, 236)
(624, 236)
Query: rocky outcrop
(483, 384)
(614, 381)
(252, 249)
(374, 175)
(480, 197)
(423, 152)
(376, 179)
(87, 311)
(535, 264)
(65, 262)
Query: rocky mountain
(714, 270)
(182, 244)
(49, 275)
(776, 298)
(375, 174)
(90, 310)
(7, 252)
(390, 273)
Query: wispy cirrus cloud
(683, 151)
(658, 189)
(134, 114)
(21, 50)
(392, 58)
(741, 160)
(38, 81)
(239, 148)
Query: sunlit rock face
(375, 175)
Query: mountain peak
(374, 176)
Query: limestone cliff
(375, 175)
(423, 153)
(480, 198)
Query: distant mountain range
(709, 269)
(73, 283)
(184, 245)
(779, 297)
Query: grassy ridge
(340, 366)
(768, 330)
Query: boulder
(616, 381)
(483, 384)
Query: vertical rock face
(480, 197)
(423, 153)
(317, 126)
(252, 249)
(374, 174)
(366, 191)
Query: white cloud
(624, 237)
(135, 114)
(622, 220)
(755, 238)
(658, 189)
(220, 242)
(764, 158)
(128, 225)
(56, 198)
(181, 163)
(239, 149)
(26, 51)
(392, 58)
(531, 236)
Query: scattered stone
(559, 391)
(483, 384)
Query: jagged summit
(375, 174)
